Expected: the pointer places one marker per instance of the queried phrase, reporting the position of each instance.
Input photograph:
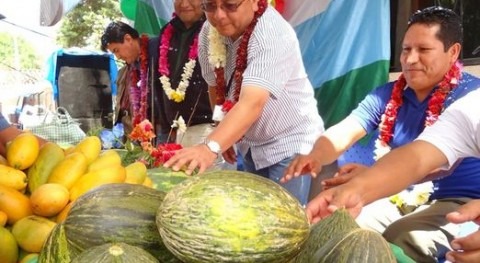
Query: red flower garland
(138, 86)
(240, 64)
(435, 104)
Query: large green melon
(117, 213)
(232, 216)
(115, 253)
(339, 224)
(165, 179)
(358, 246)
(56, 248)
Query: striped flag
(346, 49)
(151, 15)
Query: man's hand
(344, 174)
(302, 164)
(192, 157)
(466, 249)
(328, 201)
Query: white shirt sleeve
(457, 131)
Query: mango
(12, 177)
(109, 175)
(105, 159)
(50, 155)
(90, 147)
(69, 170)
(23, 151)
(136, 173)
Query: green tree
(84, 25)
(16, 52)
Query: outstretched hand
(330, 200)
(344, 174)
(198, 156)
(466, 249)
(301, 165)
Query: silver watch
(213, 146)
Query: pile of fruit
(38, 185)
(80, 205)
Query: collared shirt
(410, 122)
(289, 123)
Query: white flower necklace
(177, 95)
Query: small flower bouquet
(140, 148)
(409, 199)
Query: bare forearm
(212, 96)
(398, 169)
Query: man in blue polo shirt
(431, 80)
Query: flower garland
(217, 57)
(435, 106)
(177, 95)
(138, 88)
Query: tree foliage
(16, 52)
(84, 25)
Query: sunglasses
(226, 7)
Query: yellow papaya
(32, 231)
(105, 159)
(14, 204)
(3, 160)
(90, 147)
(12, 177)
(50, 155)
(136, 173)
(8, 247)
(69, 170)
(109, 175)
(23, 151)
(148, 182)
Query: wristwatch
(213, 146)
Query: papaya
(31, 232)
(69, 170)
(12, 177)
(49, 156)
(64, 213)
(8, 247)
(90, 146)
(3, 160)
(23, 151)
(148, 182)
(3, 218)
(108, 175)
(105, 159)
(136, 173)
(49, 199)
(14, 204)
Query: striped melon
(232, 216)
(56, 248)
(358, 246)
(339, 224)
(115, 253)
(117, 213)
(165, 179)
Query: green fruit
(232, 216)
(114, 253)
(115, 213)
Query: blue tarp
(76, 57)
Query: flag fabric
(345, 46)
(151, 15)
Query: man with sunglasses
(264, 102)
